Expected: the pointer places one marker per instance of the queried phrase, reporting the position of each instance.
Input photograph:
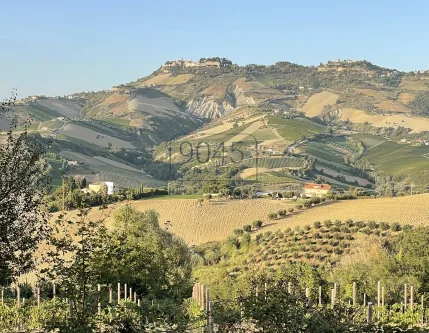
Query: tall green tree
(23, 223)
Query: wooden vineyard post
(378, 293)
(423, 310)
(131, 294)
(202, 297)
(125, 292)
(412, 298)
(207, 299)
(138, 302)
(289, 287)
(207, 306)
(18, 297)
(320, 295)
(110, 294)
(369, 313)
(54, 290)
(135, 297)
(210, 317)
(354, 294)
(119, 293)
(99, 306)
(332, 297)
(382, 296)
(405, 296)
(38, 297)
(2, 296)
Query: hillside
(199, 223)
(282, 109)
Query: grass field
(200, 223)
(294, 129)
(38, 111)
(116, 121)
(368, 140)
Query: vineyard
(273, 162)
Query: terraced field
(109, 170)
(272, 162)
(62, 106)
(323, 151)
(99, 139)
(368, 140)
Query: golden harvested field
(314, 106)
(393, 106)
(242, 84)
(199, 223)
(414, 84)
(217, 91)
(406, 98)
(418, 124)
(367, 92)
(167, 79)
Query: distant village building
(316, 189)
(72, 163)
(110, 186)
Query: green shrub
(372, 225)
(238, 232)
(377, 232)
(307, 227)
(396, 226)
(257, 224)
(288, 230)
(360, 224)
(316, 235)
(291, 210)
(299, 207)
(327, 223)
(282, 212)
(349, 223)
(407, 227)
(317, 224)
(272, 216)
(334, 229)
(338, 223)
(247, 228)
(338, 251)
(384, 226)
(354, 229)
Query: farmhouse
(111, 187)
(316, 189)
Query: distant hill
(216, 100)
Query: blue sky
(60, 47)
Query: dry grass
(417, 124)
(217, 91)
(406, 98)
(413, 84)
(242, 84)
(367, 92)
(393, 106)
(314, 106)
(167, 79)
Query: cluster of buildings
(110, 187)
(187, 64)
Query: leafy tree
(23, 221)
